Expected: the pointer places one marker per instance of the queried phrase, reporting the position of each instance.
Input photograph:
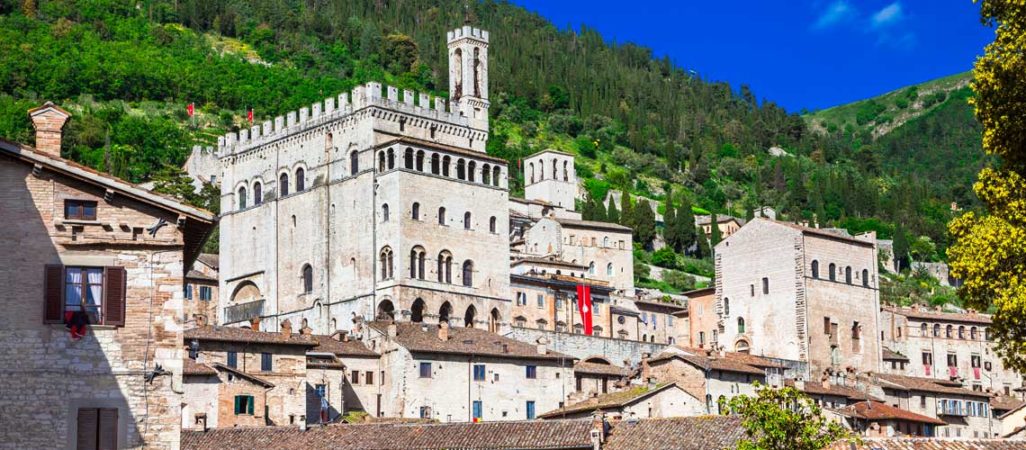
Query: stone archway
(444, 312)
(386, 310)
(417, 311)
(469, 316)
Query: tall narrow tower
(468, 74)
(549, 176)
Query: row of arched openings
(488, 174)
(418, 261)
(832, 273)
(541, 171)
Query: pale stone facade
(799, 293)
(604, 248)
(369, 205)
(701, 318)
(67, 225)
(947, 346)
(966, 413)
(550, 176)
(200, 293)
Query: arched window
(258, 193)
(609, 269)
(283, 184)
(865, 278)
(461, 169)
(740, 325)
(471, 169)
(496, 173)
(300, 180)
(815, 269)
(566, 171)
(494, 319)
(441, 216)
(242, 197)
(726, 306)
(381, 161)
(446, 162)
(466, 220)
(833, 272)
(555, 174)
(924, 330)
(354, 162)
(386, 260)
(415, 211)
(435, 163)
(386, 310)
(417, 311)
(847, 274)
(307, 279)
(492, 224)
(444, 312)
(936, 330)
(384, 212)
(765, 285)
(469, 316)
(949, 331)
(445, 267)
(591, 268)
(420, 160)
(972, 333)
(961, 331)
(391, 159)
(742, 347)
(605, 241)
(530, 171)
(468, 273)
(486, 174)
(408, 158)
(417, 262)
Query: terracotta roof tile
(238, 334)
(891, 355)
(197, 275)
(210, 259)
(574, 223)
(871, 410)
(709, 362)
(926, 385)
(813, 388)
(683, 433)
(329, 344)
(613, 400)
(242, 374)
(191, 367)
(536, 434)
(1005, 403)
(600, 369)
(423, 338)
(940, 316)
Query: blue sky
(800, 53)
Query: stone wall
(616, 351)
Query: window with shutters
(96, 292)
(188, 291)
(79, 210)
(97, 428)
(206, 293)
(368, 377)
(233, 359)
(244, 405)
(266, 362)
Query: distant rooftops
(591, 224)
(874, 410)
(922, 313)
(247, 335)
(906, 383)
(613, 400)
(424, 338)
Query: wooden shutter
(238, 399)
(53, 294)
(108, 429)
(249, 405)
(115, 287)
(87, 420)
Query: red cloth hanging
(585, 307)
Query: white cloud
(889, 15)
(838, 12)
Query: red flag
(249, 115)
(191, 109)
(584, 306)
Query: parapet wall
(467, 31)
(331, 109)
(581, 346)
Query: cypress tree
(900, 248)
(703, 244)
(714, 237)
(644, 223)
(613, 215)
(627, 215)
(670, 222)
(686, 233)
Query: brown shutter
(115, 287)
(87, 418)
(53, 294)
(108, 429)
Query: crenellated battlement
(465, 32)
(419, 104)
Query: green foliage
(704, 250)
(901, 249)
(612, 214)
(597, 189)
(783, 419)
(644, 223)
(703, 267)
(665, 257)
(679, 280)
(868, 111)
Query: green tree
(684, 227)
(714, 236)
(644, 223)
(704, 249)
(901, 249)
(173, 181)
(670, 221)
(612, 215)
(665, 257)
(627, 215)
(990, 249)
(783, 419)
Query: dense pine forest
(638, 123)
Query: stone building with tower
(375, 203)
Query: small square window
(479, 372)
(425, 370)
(532, 372)
(79, 210)
(266, 362)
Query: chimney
(505, 348)
(598, 429)
(286, 328)
(443, 331)
(646, 371)
(49, 120)
(393, 330)
(344, 336)
(306, 331)
(799, 384)
(254, 324)
(543, 346)
(201, 320)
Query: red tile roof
(191, 367)
(610, 401)
(600, 369)
(247, 335)
(871, 410)
(704, 362)
(536, 434)
(678, 433)
(814, 388)
(423, 338)
(925, 385)
(940, 316)
(927, 444)
(593, 225)
(329, 344)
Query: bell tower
(468, 74)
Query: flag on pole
(584, 306)
(249, 115)
(191, 109)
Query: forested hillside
(638, 123)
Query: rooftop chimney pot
(49, 120)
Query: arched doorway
(444, 312)
(742, 346)
(468, 317)
(417, 311)
(493, 320)
(386, 310)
